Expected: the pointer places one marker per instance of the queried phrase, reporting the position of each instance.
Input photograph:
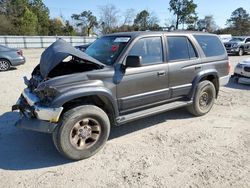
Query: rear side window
(211, 45)
(180, 48)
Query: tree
(56, 27)
(182, 9)
(108, 18)
(28, 23)
(15, 10)
(129, 16)
(86, 21)
(42, 14)
(146, 21)
(69, 29)
(6, 25)
(239, 22)
(208, 23)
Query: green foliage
(28, 23)
(42, 13)
(29, 17)
(183, 9)
(145, 21)
(6, 25)
(56, 27)
(239, 22)
(86, 21)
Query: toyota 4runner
(121, 77)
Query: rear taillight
(229, 67)
(20, 52)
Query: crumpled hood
(57, 52)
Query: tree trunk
(177, 22)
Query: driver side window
(150, 49)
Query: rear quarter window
(211, 45)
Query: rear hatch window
(211, 45)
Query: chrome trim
(224, 80)
(30, 98)
(181, 86)
(145, 94)
(42, 113)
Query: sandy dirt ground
(172, 149)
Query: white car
(242, 72)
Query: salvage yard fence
(42, 41)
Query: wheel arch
(210, 75)
(101, 98)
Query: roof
(141, 33)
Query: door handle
(161, 73)
(197, 68)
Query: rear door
(182, 59)
(147, 85)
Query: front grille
(247, 69)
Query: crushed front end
(60, 64)
(34, 115)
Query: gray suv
(119, 78)
(238, 45)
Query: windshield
(107, 49)
(238, 39)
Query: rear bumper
(224, 80)
(18, 61)
(35, 125)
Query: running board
(152, 111)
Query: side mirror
(133, 61)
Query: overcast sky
(220, 9)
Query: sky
(220, 9)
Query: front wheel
(82, 132)
(241, 52)
(204, 98)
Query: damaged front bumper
(35, 117)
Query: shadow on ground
(23, 150)
(234, 85)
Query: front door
(147, 85)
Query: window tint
(180, 48)
(211, 45)
(150, 49)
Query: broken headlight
(46, 95)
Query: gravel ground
(172, 149)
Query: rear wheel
(204, 98)
(4, 65)
(82, 132)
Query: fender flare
(84, 92)
(199, 77)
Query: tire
(81, 132)
(4, 65)
(235, 79)
(204, 99)
(241, 52)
